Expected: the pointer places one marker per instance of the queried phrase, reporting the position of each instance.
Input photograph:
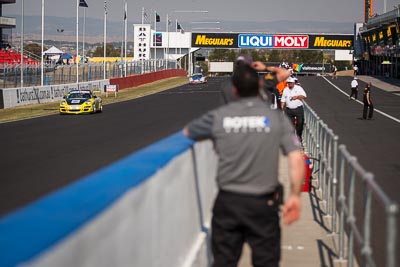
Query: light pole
(22, 44)
(205, 22)
(206, 29)
(77, 41)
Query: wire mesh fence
(10, 75)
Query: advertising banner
(43, 94)
(311, 68)
(217, 40)
(141, 41)
(273, 41)
(334, 42)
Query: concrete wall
(137, 80)
(43, 94)
(220, 67)
(151, 208)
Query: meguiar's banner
(272, 41)
(334, 42)
(221, 40)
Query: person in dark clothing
(368, 110)
(269, 92)
(248, 135)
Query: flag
(82, 3)
(169, 22)
(125, 9)
(146, 17)
(178, 26)
(157, 18)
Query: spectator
(292, 105)
(248, 135)
(354, 88)
(368, 110)
(355, 70)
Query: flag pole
(126, 34)
(105, 39)
(141, 61)
(154, 35)
(22, 43)
(142, 15)
(77, 41)
(83, 37)
(42, 61)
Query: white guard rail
(43, 94)
(151, 208)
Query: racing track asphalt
(41, 155)
(375, 143)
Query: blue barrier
(29, 231)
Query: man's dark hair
(246, 80)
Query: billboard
(272, 41)
(334, 42)
(217, 40)
(141, 42)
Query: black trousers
(241, 218)
(297, 115)
(368, 110)
(354, 92)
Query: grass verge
(31, 111)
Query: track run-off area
(43, 155)
(39, 156)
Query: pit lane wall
(14, 97)
(136, 80)
(53, 93)
(151, 209)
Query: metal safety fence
(10, 74)
(351, 196)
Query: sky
(218, 10)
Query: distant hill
(94, 27)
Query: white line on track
(361, 103)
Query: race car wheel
(94, 110)
(100, 108)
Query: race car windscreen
(79, 95)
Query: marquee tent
(52, 51)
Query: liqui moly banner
(273, 41)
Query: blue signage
(256, 41)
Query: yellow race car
(80, 102)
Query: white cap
(290, 80)
(355, 78)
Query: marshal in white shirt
(290, 96)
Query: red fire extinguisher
(308, 174)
